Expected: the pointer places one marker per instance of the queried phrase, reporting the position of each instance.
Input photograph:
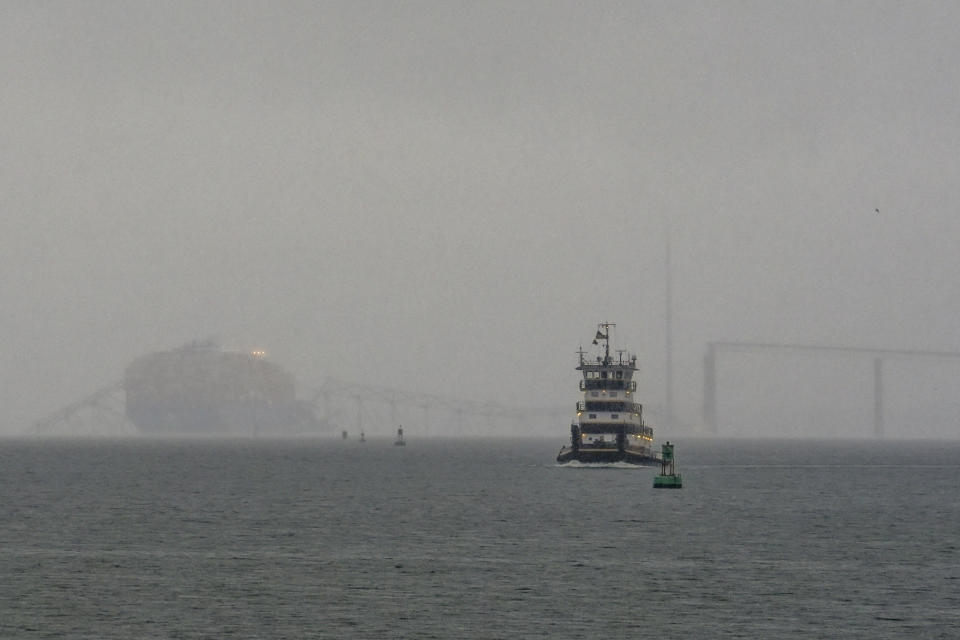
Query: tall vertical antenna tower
(668, 314)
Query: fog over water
(447, 197)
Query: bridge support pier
(710, 390)
(878, 397)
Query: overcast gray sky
(447, 197)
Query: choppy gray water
(476, 539)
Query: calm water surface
(476, 539)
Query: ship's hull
(202, 390)
(222, 419)
(587, 455)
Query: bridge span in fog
(339, 406)
(720, 352)
(356, 407)
(876, 382)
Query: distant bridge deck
(716, 349)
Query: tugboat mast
(605, 336)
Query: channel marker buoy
(668, 478)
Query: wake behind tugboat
(598, 466)
(609, 426)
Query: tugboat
(400, 442)
(609, 425)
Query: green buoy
(668, 478)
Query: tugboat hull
(607, 456)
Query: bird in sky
(877, 210)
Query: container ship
(609, 424)
(201, 389)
